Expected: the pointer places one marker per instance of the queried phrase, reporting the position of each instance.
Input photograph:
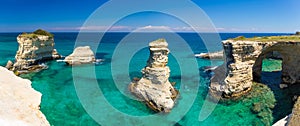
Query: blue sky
(226, 15)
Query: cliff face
(243, 64)
(19, 101)
(154, 87)
(32, 50)
(295, 116)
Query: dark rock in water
(207, 71)
(256, 107)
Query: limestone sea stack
(243, 59)
(34, 48)
(81, 55)
(19, 102)
(154, 87)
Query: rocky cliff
(295, 116)
(33, 49)
(19, 102)
(154, 87)
(243, 63)
(81, 55)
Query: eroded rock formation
(154, 87)
(213, 55)
(34, 49)
(81, 55)
(19, 102)
(295, 116)
(243, 64)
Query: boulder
(81, 55)
(9, 65)
(154, 87)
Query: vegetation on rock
(42, 32)
(36, 33)
(294, 38)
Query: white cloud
(103, 28)
(151, 28)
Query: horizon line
(151, 32)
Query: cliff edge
(19, 101)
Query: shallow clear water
(61, 105)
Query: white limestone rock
(154, 87)
(243, 65)
(81, 55)
(34, 49)
(20, 103)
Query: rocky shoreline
(293, 119)
(20, 103)
(212, 55)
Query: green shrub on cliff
(283, 38)
(43, 32)
(297, 33)
(36, 33)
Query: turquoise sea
(61, 105)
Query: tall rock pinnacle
(154, 87)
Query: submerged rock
(81, 55)
(34, 48)
(154, 87)
(20, 103)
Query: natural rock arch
(243, 60)
(267, 52)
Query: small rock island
(154, 87)
(34, 49)
(81, 55)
